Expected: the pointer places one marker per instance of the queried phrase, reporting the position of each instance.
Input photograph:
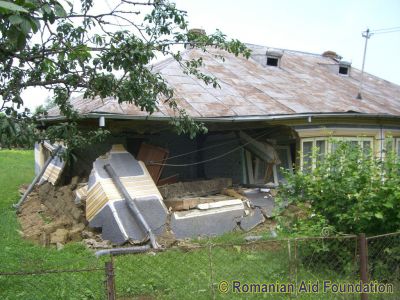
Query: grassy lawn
(19, 255)
(174, 274)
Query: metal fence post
(110, 280)
(362, 243)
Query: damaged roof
(303, 83)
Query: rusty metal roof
(304, 83)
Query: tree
(68, 49)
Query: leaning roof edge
(254, 118)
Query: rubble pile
(122, 202)
(49, 216)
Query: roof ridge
(285, 49)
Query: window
(398, 147)
(314, 150)
(272, 61)
(344, 70)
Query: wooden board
(149, 153)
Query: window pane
(389, 145)
(320, 151)
(366, 146)
(398, 148)
(307, 155)
(334, 147)
(353, 144)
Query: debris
(81, 194)
(45, 173)
(253, 238)
(92, 243)
(106, 207)
(47, 209)
(75, 234)
(59, 246)
(264, 201)
(195, 188)
(59, 236)
(254, 218)
(274, 192)
(74, 180)
(211, 222)
(263, 151)
(168, 180)
(219, 204)
(233, 193)
(187, 203)
(55, 167)
(86, 234)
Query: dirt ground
(50, 216)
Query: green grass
(172, 274)
(17, 254)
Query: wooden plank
(255, 147)
(149, 153)
(275, 174)
(168, 180)
(249, 163)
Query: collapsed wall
(107, 209)
(180, 210)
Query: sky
(308, 25)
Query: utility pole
(366, 34)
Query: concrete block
(264, 201)
(211, 222)
(254, 218)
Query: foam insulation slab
(54, 169)
(81, 194)
(106, 207)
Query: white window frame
(328, 145)
(397, 146)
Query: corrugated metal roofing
(304, 83)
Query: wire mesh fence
(41, 279)
(301, 268)
(384, 262)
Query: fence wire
(220, 271)
(77, 280)
(384, 262)
(269, 269)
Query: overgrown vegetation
(349, 191)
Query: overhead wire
(210, 159)
(385, 30)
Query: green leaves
(84, 50)
(351, 190)
(9, 6)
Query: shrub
(350, 191)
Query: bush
(350, 191)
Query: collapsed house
(276, 111)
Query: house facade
(293, 103)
